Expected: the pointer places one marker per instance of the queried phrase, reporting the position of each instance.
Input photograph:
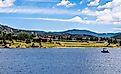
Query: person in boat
(105, 51)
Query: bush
(50, 40)
(115, 41)
(4, 41)
(12, 41)
(23, 36)
(28, 41)
(40, 44)
(1, 42)
(33, 45)
(58, 43)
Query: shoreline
(59, 45)
(54, 47)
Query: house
(38, 39)
(74, 39)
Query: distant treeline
(28, 37)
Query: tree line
(27, 37)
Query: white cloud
(109, 14)
(34, 11)
(29, 10)
(76, 19)
(113, 12)
(86, 11)
(78, 10)
(42, 0)
(94, 3)
(104, 16)
(6, 3)
(107, 5)
(113, 4)
(85, 18)
(117, 29)
(81, 2)
(66, 3)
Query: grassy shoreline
(58, 44)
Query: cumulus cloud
(109, 14)
(6, 3)
(87, 11)
(76, 19)
(114, 11)
(106, 16)
(94, 3)
(113, 4)
(66, 3)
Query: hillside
(117, 36)
(86, 32)
(10, 29)
(72, 32)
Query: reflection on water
(60, 61)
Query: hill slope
(73, 32)
(86, 32)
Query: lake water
(60, 61)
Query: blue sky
(59, 15)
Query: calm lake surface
(60, 61)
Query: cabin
(74, 39)
(37, 39)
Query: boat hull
(105, 51)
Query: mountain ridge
(72, 31)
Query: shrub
(1, 42)
(33, 44)
(58, 43)
(115, 41)
(28, 41)
(23, 36)
(40, 44)
(50, 40)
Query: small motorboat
(105, 50)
